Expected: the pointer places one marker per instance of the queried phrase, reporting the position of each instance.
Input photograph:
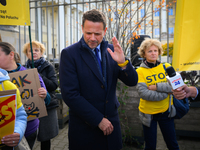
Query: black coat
(48, 74)
(90, 96)
(198, 96)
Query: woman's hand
(42, 92)
(152, 87)
(11, 140)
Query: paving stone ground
(60, 142)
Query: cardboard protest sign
(27, 82)
(7, 112)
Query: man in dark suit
(185, 91)
(89, 70)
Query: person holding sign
(10, 61)
(48, 127)
(12, 140)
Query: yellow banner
(14, 12)
(7, 112)
(186, 53)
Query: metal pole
(31, 46)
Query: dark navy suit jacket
(198, 96)
(91, 95)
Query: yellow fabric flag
(14, 12)
(186, 53)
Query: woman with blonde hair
(10, 61)
(48, 127)
(154, 91)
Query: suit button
(106, 116)
(102, 86)
(126, 74)
(106, 102)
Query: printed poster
(186, 53)
(14, 12)
(27, 82)
(7, 112)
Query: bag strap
(170, 100)
(2, 86)
(164, 67)
(170, 96)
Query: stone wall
(189, 125)
(128, 111)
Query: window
(157, 32)
(129, 14)
(170, 9)
(142, 13)
(43, 17)
(116, 15)
(157, 13)
(142, 31)
(171, 32)
(129, 34)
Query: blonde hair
(147, 43)
(36, 43)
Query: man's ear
(105, 31)
(82, 28)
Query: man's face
(93, 33)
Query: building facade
(57, 23)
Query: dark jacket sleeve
(129, 76)
(198, 96)
(50, 78)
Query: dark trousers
(46, 145)
(31, 139)
(167, 128)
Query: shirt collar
(98, 47)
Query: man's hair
(94, 15)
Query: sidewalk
(60, 142)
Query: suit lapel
(90, 61)
(109, 71)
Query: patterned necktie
(97, 56)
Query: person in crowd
(13, 140)
(185, 92)
(48, 127)
(154, 92)
(89, 70)
(10, 61)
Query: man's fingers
(114, 40)
(109, 130)
(110, 51)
